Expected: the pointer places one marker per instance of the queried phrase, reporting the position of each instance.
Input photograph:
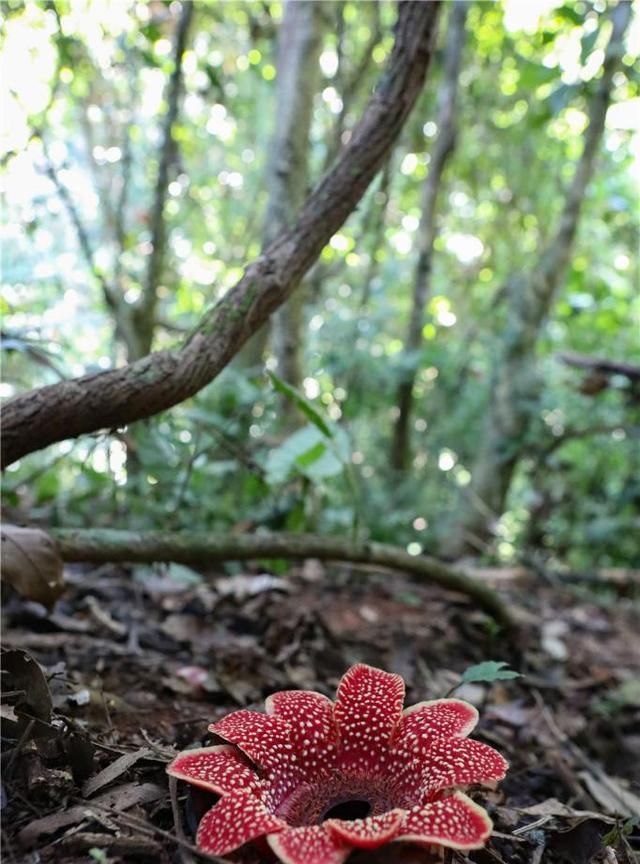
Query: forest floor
(137, 662)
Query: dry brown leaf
(120, 797)
(114, 770)
(23, 677)
(31, 563)
(611, 795)
(552, 807)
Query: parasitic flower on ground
(320, 778)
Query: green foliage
(306, 453)
(226, 457)
(303, 404)
(488, 671)
(620, 832)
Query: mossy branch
(197, 549)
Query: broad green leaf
(311, 455)
(305, 453)
(322, 467)
(490, 670)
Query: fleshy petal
(310, 844)
(368, 833)
(455, 821)
(235, 820)
(368, 707)
(313, 729)
(312, 743)
(265, 739)
(406, 780)
(218, 769)
(459, 762)
(425, 722)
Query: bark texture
(158, 381)
(515, 386)
(442, 150)
(101, 545)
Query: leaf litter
(129, 668)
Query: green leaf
(588, 44)
(561, 97)
(309, 410)
(305, 453)
(570, 14)
(311, 455)
(324, 466)
(490, 670)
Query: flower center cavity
(356, 808)
(337, 796)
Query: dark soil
(133, 665)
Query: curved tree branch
(159, 381)
(100, 545)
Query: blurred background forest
(460, 387)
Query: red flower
(320, 778)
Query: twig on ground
(184, 854)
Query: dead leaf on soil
(183, 627)
(114, 770)
(552, 639)
(192, 680)
(123, 845)
(242, 586)
(121, 798)
(31, 563)
(554, 808)
(579, 845)
(611, 795)
(512, 713)
(31, 698)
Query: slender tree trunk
(299, 42)
(443, 147)
(145, 311)
(133, 324)
(515, 387)
(373, 229)
(158, 381)
(298, 68)
(351, 76)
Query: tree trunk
(299, 42)
(298, 66)
(443, 147)
(515, 387)
(144, 313)
(159, 381)
(133, 324)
